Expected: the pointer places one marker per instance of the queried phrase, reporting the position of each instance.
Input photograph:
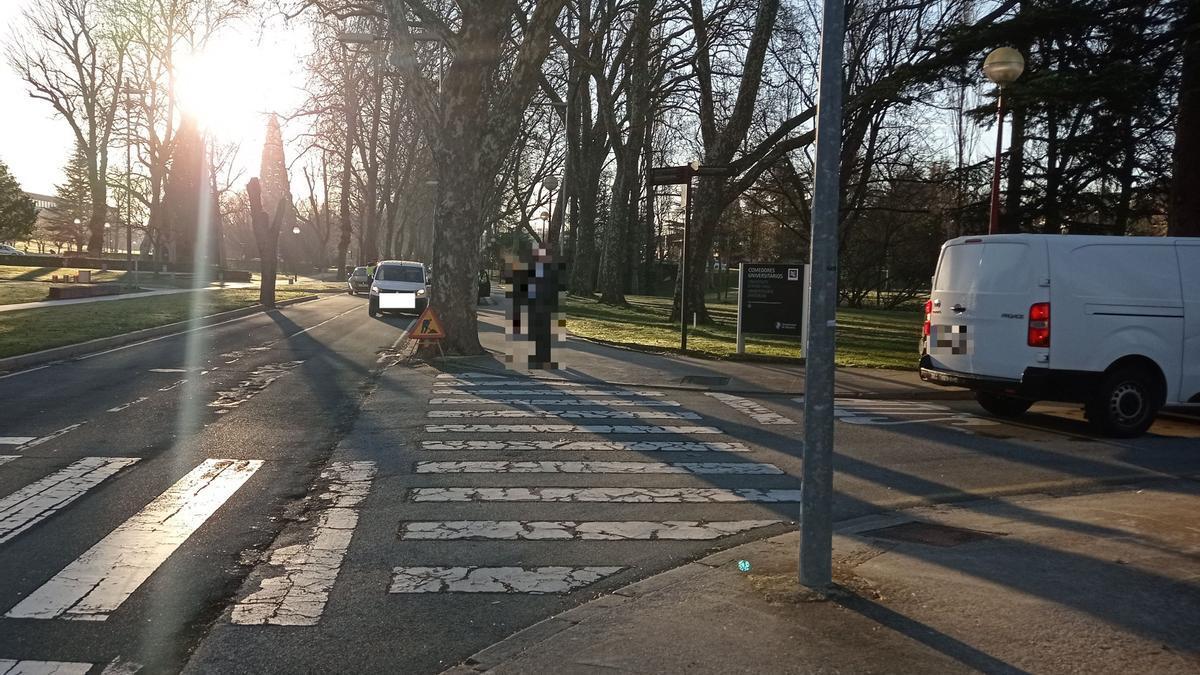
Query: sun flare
(221, 87)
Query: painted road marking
(43, 498)
(259, 379)
(472, 376)
(168, 370)
(297, 596)
(620, 495)
(565, 429)
(8, 458)
(553, 401)
(126, 405)
(50, 436)
(597, 530)
(571, 414)
(531, 580)
(871, 412)
(588, 446)
(507, 382)
(16, 440)
(14, 667)
(757, 412)
(547, 391)
(97, 582)
(599, 467)
(174, 384)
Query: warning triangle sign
(427, 327)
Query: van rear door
(982, 294)
(1189, 269)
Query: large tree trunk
(708, 206)
(1184, 213)
(266, 235)
(456, 261)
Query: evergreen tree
(17, 212)
(276, 189)
(188, 215)
(68, 222)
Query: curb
(675, 351)
(912, 395)
(12, 363)
(530, 637)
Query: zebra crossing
(454, 449)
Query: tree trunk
(351, 104)
(456, 263)
(707, 207)
(266, 235)
(1184, 212)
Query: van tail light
(1039, 325)
(928, 311)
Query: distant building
(42, 201)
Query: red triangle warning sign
(427, 327)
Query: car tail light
(1039, 325)
(928, 311)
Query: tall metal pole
(128, 192)
(994, 219)
(816, 499)
(683, 262)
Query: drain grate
(931, 534)
(705, 380)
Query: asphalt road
(385, 530)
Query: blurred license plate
(397, 300)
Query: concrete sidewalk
(1102, 582)
(586, 360)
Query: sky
(245, 73)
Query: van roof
(1071, 239)
(401, 263)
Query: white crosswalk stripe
(14, 667)
(532, 580)
(96, 583)
(736, 468)
(756, 411)
(554, 401)
(296, 596)
(43, 498)
(630, 393)
(624, 495)
(8, 458)
(16, 440)
(566, 429)
(874, 412)
(587, 446)
(605, 530)
(568, 414)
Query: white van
(1110, 322)
(398, 286)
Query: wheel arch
(1147, 365)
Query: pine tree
(276, 189)
(68, 222)
(188, 215)
(17, 212)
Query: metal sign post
(741, 339)
(816, 499)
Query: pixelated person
(517, 273)
(543, 308)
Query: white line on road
(123, 406)
(758, 413)
(588, 446)
(50, 436)
(43, 498)
(16, 440)
(509, 382)
(462, 400)
(174, 384)
(541, 530)
(531, 580)
(14, 667)
(570, 414)
(620, 495)
(168, 370)
(8, 458)
(97, 582)
(297, 596)
(565, 429)
(472, 376)
(739, 468)
(628, 393)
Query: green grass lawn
(31, 330)
(18, 273)
(15, 292)
(865, 337)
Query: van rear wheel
(1125, 404)
(1001, 405)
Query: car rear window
(360, 272)
(997, 267)
(398, 273)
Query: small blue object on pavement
(744, 565)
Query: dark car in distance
(358, 281)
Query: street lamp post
(1003, 66)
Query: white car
(5, 249)
(1110, 322)
(398, 286)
